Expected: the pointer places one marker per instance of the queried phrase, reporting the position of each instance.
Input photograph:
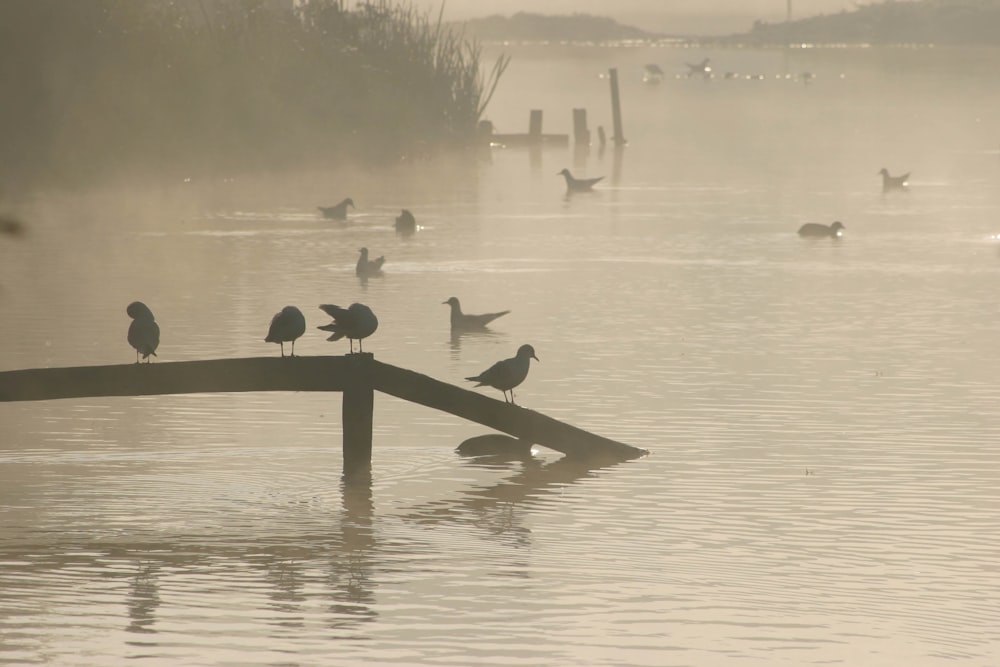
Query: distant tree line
(531, 27)
(944, 22)
(92, 89)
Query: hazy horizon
(680, 16)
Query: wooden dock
(357, 376)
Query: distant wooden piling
(358, 376)
(581, 134)
(535, 126)
(535, 138)
(616, 109)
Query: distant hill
(944, 22)
(528, 27)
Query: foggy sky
(668, 16)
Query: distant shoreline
(920, 22)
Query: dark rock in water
(495, 444)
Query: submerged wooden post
(535, 126)
(581, 135)
(616, 109)
(357, 409)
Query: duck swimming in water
(818, 230)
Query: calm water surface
(823, 485)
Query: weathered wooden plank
(514, 420)
(325, 373)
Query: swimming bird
(653, 73)
(462, 322)
(366, 267)
(815, 229)
(143, 332)
(406, 223)
(699, 68)
(508, 373)
(578, 184)
(357, 321)
(894, 182)
(286, 326)
(338, 211)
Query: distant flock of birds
(653, 73)
(356, 322)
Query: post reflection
(500, 508)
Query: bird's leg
(137, 356)
(512, 397)
(293, 348)
(282, 344)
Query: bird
(894, 182)
(406, 223)
(338, 211)
(286, 326)
(508, 373)
(653, 73)
(699, 68)
(143, 332)
(462, 322)
(368, 267)
(816, 229)
(357, 321)
(578, 184)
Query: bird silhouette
(464, 322)
(894, 182)
(355, 322)
(366, 267)
(508, 373)
(815, 229)
(578, 184)
(286, 326)
(406, 223)
(143, 332)
(337, 211)
(699, 68)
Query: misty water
(823, 483)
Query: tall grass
(97, 88)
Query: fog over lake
(823, 482)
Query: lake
(823, 482)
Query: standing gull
(286, 326)
(355, 322)
(463, 322)
(578, 184)
(144, 332)
(508, 373)
(337, 211)
(368, 267)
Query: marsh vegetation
(102, 88)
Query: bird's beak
(536, 358)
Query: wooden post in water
(535, 127)
(357, 410)
(616, 109)
(581, 135)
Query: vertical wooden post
(581, 135)
(357, 409)
(616, 109)
(535, 126)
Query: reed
(97, 88)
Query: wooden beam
(178, 377)
(514, 420)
